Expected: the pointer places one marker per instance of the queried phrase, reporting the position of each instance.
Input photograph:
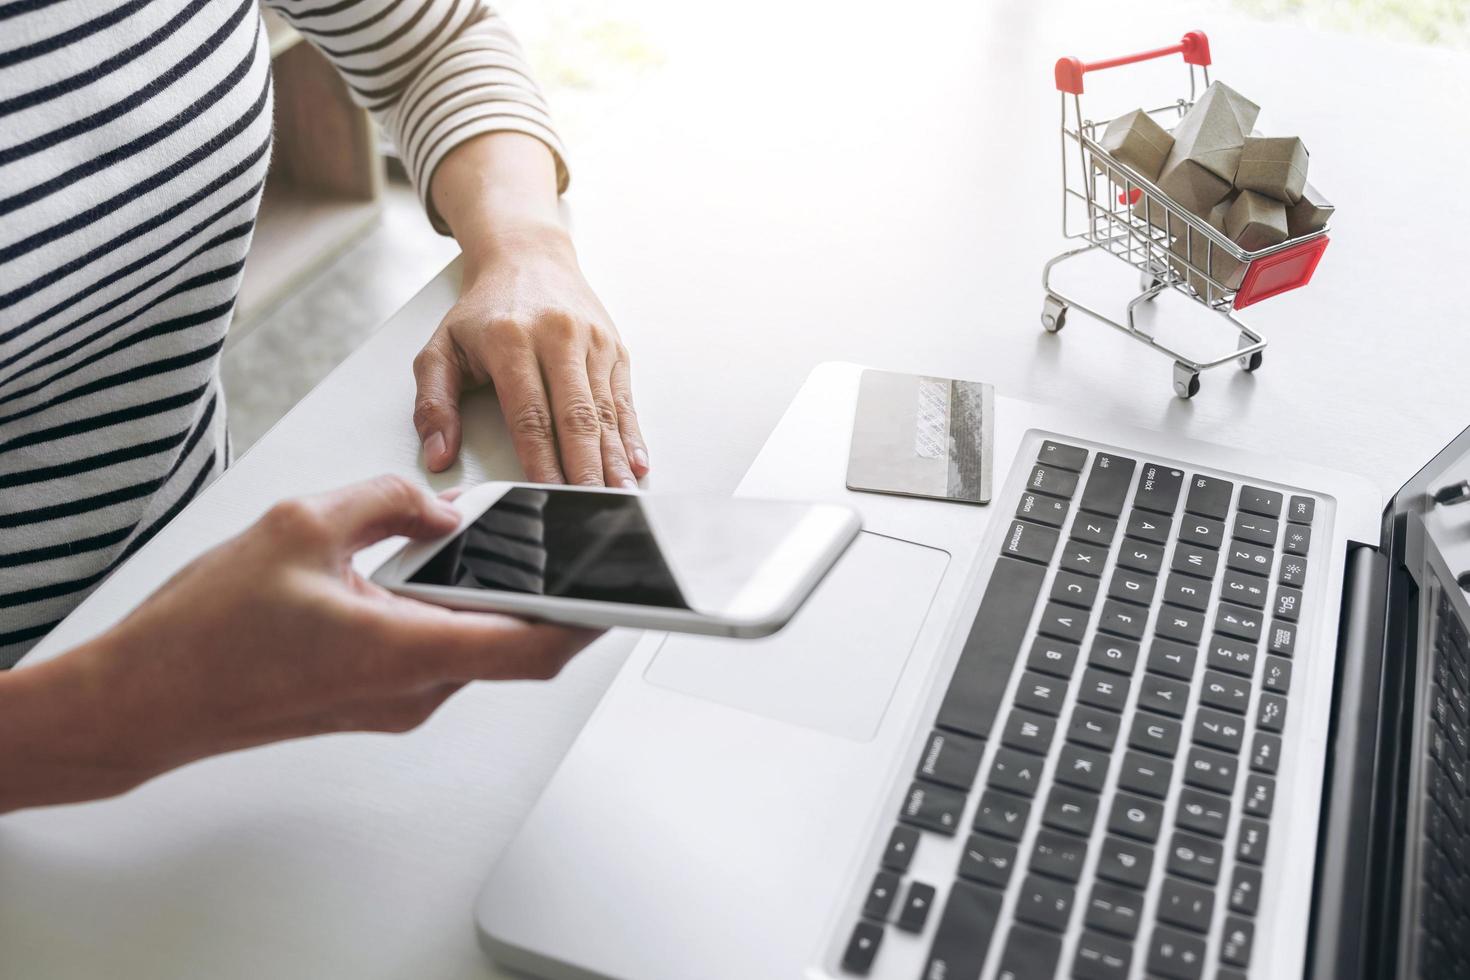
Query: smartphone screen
(675, 552)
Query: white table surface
(797, 183)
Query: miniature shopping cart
(1127, 216)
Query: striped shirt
(134, 141)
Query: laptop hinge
(1341, 901)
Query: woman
(134, 143)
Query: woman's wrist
(65, 739)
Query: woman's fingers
(439, 379)
(517, 377)
(356, 516)
(617, 468)
(621, 382)
(578, 421)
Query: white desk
(794, 185)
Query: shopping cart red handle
(1194, 46)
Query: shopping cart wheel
(1053, 314)
(1186, 380)
(1251, 362)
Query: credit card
(922, 437)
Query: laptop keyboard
(1151, 614)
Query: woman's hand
(526, 322)
(269, 636)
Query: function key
(1209, 497)
(1277, 678)
(1288, 602)
(1041, 509)
(1250, 846)
(1298, 540)
(1030, 542)
(965, 930)
(881, 895)
(914, 911)
(1235, 944)
(1266, 503)
(1245, 890)
(1293, 570)
(1107, 484)
(1260, 795)
(1158, 488)
(862, 948)
(1282, 637)
(1266, 753)
(1052, 481)
(1301, 510)
(900, 850)
(1061, 455)
(1271, 714)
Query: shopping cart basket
(1128, 217)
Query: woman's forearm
(497, 192)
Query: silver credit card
(922, 437)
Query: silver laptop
(1161, 708)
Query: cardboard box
(1200, 168)
(1273, 165)
(1136, 140)
(1310, 214)
(1256, 221)
(1196, 249)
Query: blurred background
(342, 241)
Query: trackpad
(834, 666)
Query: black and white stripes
(134, 142)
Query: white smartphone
(591, 556)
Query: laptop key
(881, 894)
(1194, 857)
(1041, 693)
(1103, 689)
(1235, 943)
(951, 759)
(1082, 767)
(1130, 586)
(1271, 714)
(1193, 560)
(979, 680)
(1136, 817)
(1045, 902)
(862, 947)
(1072, 589)
(1256, 530)
(1062, 455)
(1277, 676)
(1029, 953)
(1107, 484)
(1052, 481)
(1147, 526)
(931, 807)
(1301, 509)
(1094, 529)
(1250, 845)
(1015, 772)
(1187, 591)
(1163, 694)
(1209, 497)
(1146, 774)
(1002, 815)
(1101, 957)
(1070, 809)
(1052, 656)
(1256, 500)
(1245, 588)
(1141, 556)
(914, 911)
(1180, 624)
(1293, 570)
(1203, 531)
(1059, 855)
(1171, 659)
(1298, 540)
(1029, 731)
(1156, 734)
(1113, 653)
(899, 853)
(1186, 905)
(1030, 542)
(1246, 557)
(1225, 691)
(1266, 753)
(1041, 509)
(1288, 604)
(966, 927)
(1122, 619)
(1238, 621)
(1203, 813)
(1245, 890)
(1115, 909)
(1210, 770)
(1218, 730)
(1093, 727)
(1176, 955)
(1083, 558)
(1282, 638)
(987, 860)
(1260, 795)
(1231, 655)
(1125, 862)
(1158, 488)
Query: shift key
(1107, 484)
(979, 680)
